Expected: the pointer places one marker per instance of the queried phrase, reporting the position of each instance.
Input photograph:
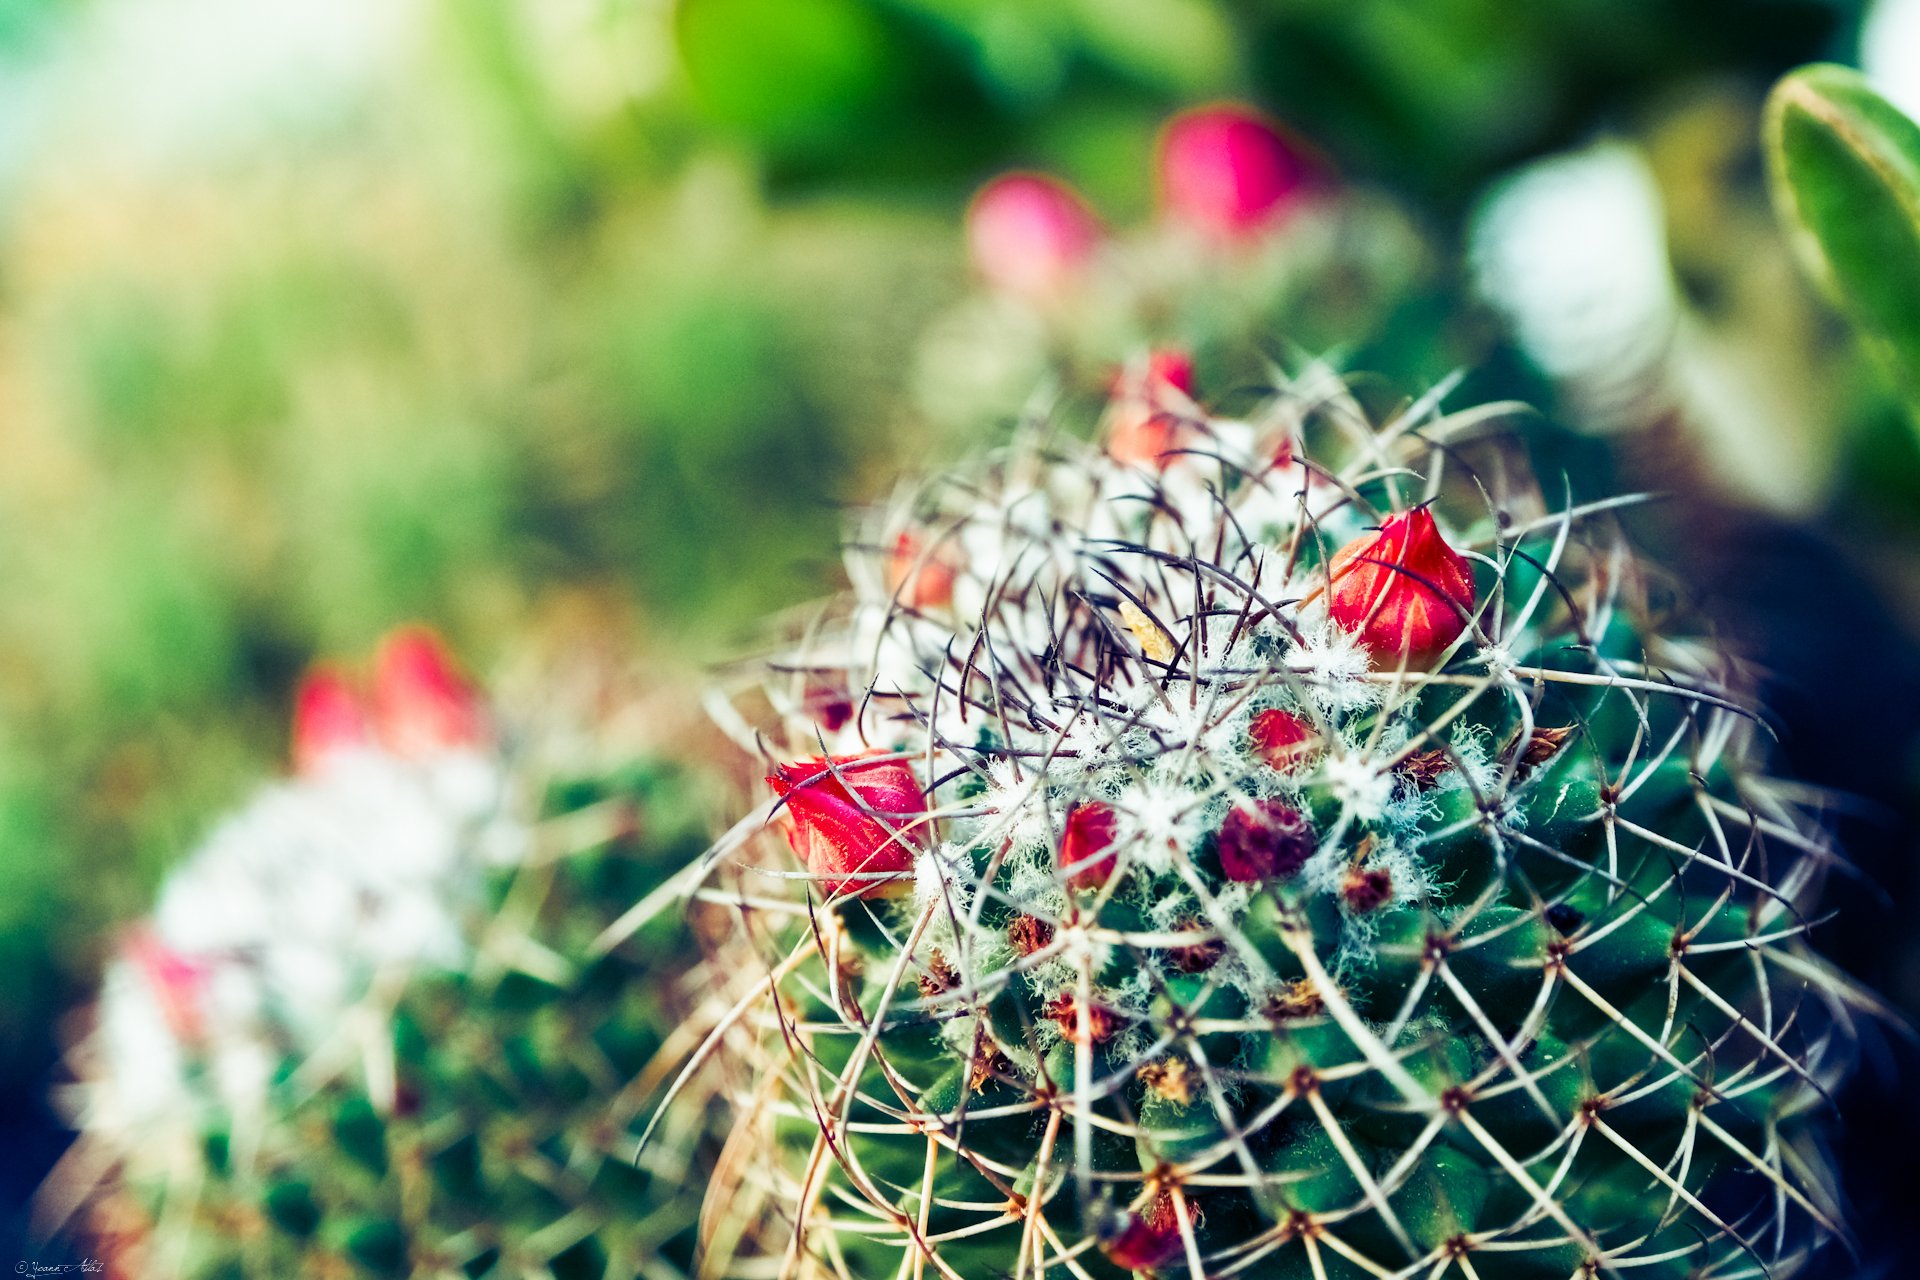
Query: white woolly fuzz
(265, 940)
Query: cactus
(1306, 850)
(386, 1024)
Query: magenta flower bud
(1401, 589)
(851, 819)
(1031, 236)
(1229, 172)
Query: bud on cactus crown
(1325, 862)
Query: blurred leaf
(1846, 171)
(788, 72)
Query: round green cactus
(1303, 848)
(395, 1019)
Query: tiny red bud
(1230, 172)
(920, 579)
(1367, 888)
(1149, 1239)
(1031, 236)
(1091, 830)
(1147, 418)
(422, 703)
(1268, 841)
(1029, 934)
(1402, 590)
(849, 818)
(1283, 739)
(329, 718)
(1101, 1022)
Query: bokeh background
(316, 315)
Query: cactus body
(1333, 863)
(373, 1028)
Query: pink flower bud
(1230, 172)
(1283, 739)
(1149, 1238)
(1091, 829)
(850, 820)
(1268, 841)
(329, 718)
(1031, 236)
(422, 703)
(1402, 590)
(920, 579)
(178, 983)
(1148, 416)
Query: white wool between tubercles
(1332, 668)
(1361, 781)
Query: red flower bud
(1269, 841)
(1229, 172)
(917, 578)
(1283, 739)
(421, 701)
(849, 819)
(178, 983)
(328, 718)
(1031, 236)
(1147, 417)
(1091, 829)
(1149, 1239)
(1402, 590)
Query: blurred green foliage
(1846, 167)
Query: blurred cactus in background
(1307, 848)
(394, 1017)
(1258, 255)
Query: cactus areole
(1316, 856)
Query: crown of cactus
(389, 1020)
(1296, 849)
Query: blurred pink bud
(178, 983)
(329, 718)
(1230, 172)
(920, 579)
(1402, 590)
(422, 703)
(1031, 236)
(847, 817)
(1147, 419)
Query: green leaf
(1846, 181)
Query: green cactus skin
(486, 1124)
(1539, 1004)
